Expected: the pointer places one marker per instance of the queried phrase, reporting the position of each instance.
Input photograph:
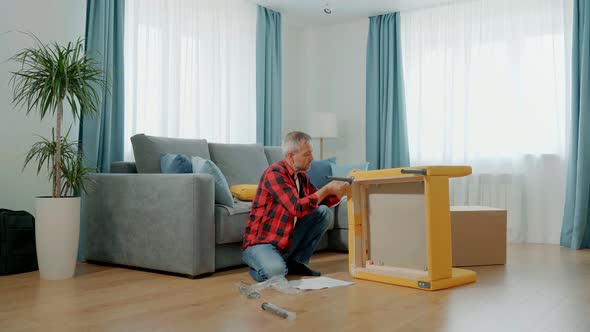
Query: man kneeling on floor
(289, 215)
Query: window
(190, 70)
(486, 86)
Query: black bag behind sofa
(18, 253)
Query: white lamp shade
(323, 125)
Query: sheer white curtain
(190, 70)
(487, 85)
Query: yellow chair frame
(440, 273)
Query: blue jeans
(266, 260)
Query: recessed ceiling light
(328, 7)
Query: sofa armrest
(156, 221)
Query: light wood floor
(542, 288)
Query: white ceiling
(310, 12)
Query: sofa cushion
(323, 244)
(228, 255)
(175, 163)
(230, 222)
(222, 193)
(319, 170)
(338, 239)
(273, 154)
(240, 163)
(147, 150)
(341, 215)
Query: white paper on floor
(318, 283)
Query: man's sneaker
(301, 269)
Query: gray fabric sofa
(137, 217)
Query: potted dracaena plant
(51, 79)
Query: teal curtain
(575, 231)
(386, 132)
(268, 77)
(101, 137)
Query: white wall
(295, 54)
(50, 20)
(324, 71)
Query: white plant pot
(57, 233)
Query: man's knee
(274, 269)
(264, 261)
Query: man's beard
(299, 169)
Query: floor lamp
(323, 125)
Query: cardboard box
(478, 235)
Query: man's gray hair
(292, 141)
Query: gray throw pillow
(343, 170)
(222, 193)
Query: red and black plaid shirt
(277, 203)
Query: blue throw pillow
(222, 193)
(319, 170)
(343, 170)
(175, 163)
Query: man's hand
(337, 188)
